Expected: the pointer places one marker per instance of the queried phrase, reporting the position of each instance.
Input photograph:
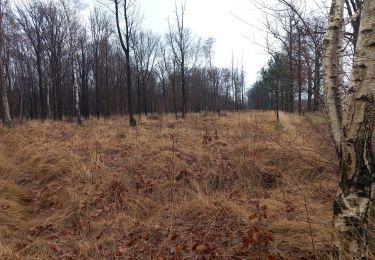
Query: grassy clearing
(228, 186)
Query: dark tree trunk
(164, 96)
(139, 96)
(174, 97)
(316, 81)
(299, 73)
(126, 49)
(290, 74)
(183, 88)
(309, 89)
(145, 99)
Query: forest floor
(231, 186)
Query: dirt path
(288, 121)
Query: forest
(55, 67)
(121, 142)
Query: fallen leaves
(256, 235)
(205, 248)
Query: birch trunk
(76, 92)
(332, 67)
(72, 52)
(353, 133)
(353, 201)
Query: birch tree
(73, 47)
(351, 121)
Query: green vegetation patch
(278, 125)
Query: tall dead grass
(169, 188)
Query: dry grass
(168, 189)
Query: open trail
(228, 186)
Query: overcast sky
(214, 18)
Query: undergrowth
(278, 125)
(208, 186)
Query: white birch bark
(332, 69)
(72, 52)
(353, 137)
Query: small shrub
(278, 125)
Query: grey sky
(213, 18)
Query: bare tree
(285, 20)
(7, 121)
(73, 48)
(208, 51)
(145, 47)
(163, 73)
(170, 67)
(180, 41)
(354, 9)
(53, 69)
(84, 73)
(129, 21)
(299, 68)
(55, 35)
(30, 18)
(100, 33)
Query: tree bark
(331, 67)
(43, 114)
(353, 133)
(277, 101)
(353, 201)
(139, 95)
(76, 92)
(164, 96)
(290, 72)
(299, 73)
(7, 121)
(316, 80)
(174, 97)
(145, 110)
(126, 49)
(72, 53)
(309, 89)
(183, 86)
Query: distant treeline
(292, 79)
(55, 65)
